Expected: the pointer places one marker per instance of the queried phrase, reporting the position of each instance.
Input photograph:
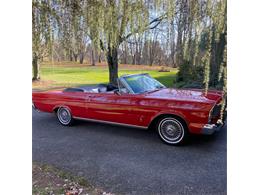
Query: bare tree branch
(157, 20)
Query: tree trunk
(151, 54)
(125, 53)
(70, 56)
(81, 58)
(75, 57)
(112, 60)
(179, 45)
(179, 56)
(173, 46)
(134, 59)
(138, 54)
(36, 68)
(99, 58)
(93, 63)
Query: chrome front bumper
(209, 129)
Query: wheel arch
(164, 115)
(56, 108)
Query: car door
(112, 107)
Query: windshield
(142, 83)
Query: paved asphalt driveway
(131, 161)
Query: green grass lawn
(71, 76)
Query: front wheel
(172, 131)
(64, 116)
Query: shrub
(190, 75)
(185, 72)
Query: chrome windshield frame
(125, 84)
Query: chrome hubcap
(171, 130)
(64, 116)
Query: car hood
(186, 95)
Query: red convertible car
(138, 101)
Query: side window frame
(125, 85)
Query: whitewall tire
(64, 116)
(172, 131)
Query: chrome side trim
(34, 107)
(210, 113)
(108, 122)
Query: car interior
(100, 88)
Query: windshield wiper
(160, 87)
(153, 90)
(157, 88)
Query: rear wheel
(64, 116)
(172, 131)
